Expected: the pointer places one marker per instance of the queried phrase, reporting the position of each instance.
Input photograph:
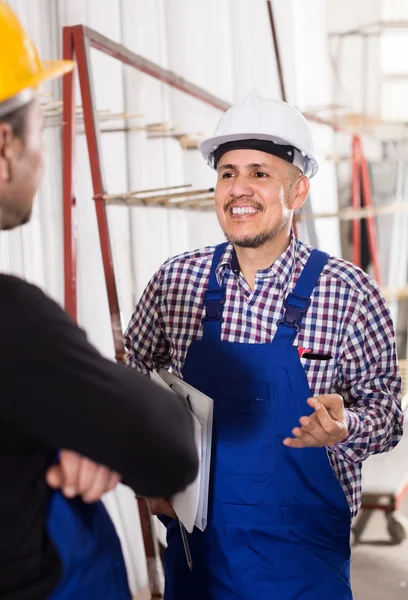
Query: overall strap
(297, 303)
(214, 298)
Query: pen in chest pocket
(309, 355)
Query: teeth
(244, 210)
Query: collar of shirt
(281, 270)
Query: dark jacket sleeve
(63, 394)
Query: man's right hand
(161, 506)
(76, 475)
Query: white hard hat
(258, 118)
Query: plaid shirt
(347, 319)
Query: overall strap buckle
(213, 301)
(295, 309)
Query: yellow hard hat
(20, 66)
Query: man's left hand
(76, 475)
(325, 427)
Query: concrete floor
(379, 569)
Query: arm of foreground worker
(66, 395)
(371, 387)
(76, 475)
(147, 348)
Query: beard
(27, 217)
(257, 240)
(11, 218)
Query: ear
(6, 151)
(300, 191)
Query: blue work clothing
(89, 549)
(279, 522)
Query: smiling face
(255, 196)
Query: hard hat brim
(50, 70)
(208, 146)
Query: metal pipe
(365, 79)
(128, 57)
(68, 199)
(147, 191)
(277, 51)
(379, 26)
(371, 228)
(356, 200)
(159, 197)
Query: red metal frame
(77, 42)
(68, 144)
(375, 502)
(361, 189)
(82, 49)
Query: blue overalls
(279, 522)
(89, 549)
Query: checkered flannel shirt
(347, 319)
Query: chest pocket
(321, 374)
(244, 429)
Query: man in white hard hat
(59, 392)
(297, 350)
